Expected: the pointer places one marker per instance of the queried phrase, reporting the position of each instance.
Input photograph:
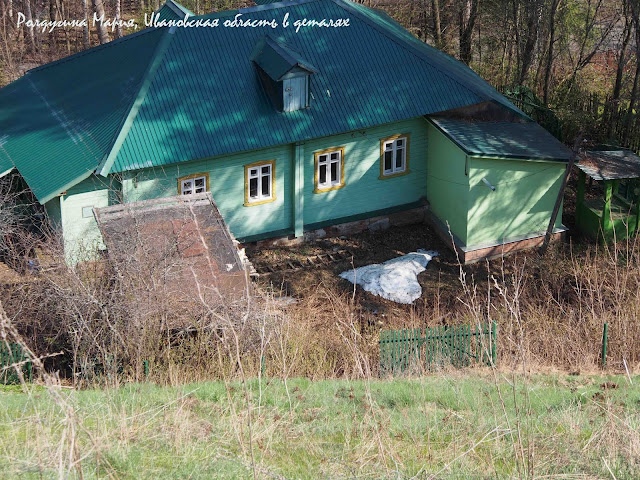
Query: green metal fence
(418, 350)
(10, 355)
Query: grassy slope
(329, 429)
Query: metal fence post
(494, 337)
(604, 344)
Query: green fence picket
(401, 351)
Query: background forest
(577, 57)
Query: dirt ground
(441, 285)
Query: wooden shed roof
(610, 164)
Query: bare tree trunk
(552, 41)
(85, 28)
(118, 26)
(622, 56)
(437, 28)
(612, 107)
(516, 32)
(467, 14)
(103, 35)
(632, 101)
(533, 24)
(27, 14)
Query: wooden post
(556, 207)
(298, 190)
(606, 210)
(582, 179)
(494, 338)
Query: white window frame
(188, 185)
(324, 158)
(255, 171)
(391, 145)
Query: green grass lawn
(442, 426)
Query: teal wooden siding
(227, 185)
(364, 191)
(81, 234)
(447, 184)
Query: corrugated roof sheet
(58, 121)
(522, 140)
(205, 98)
(610, 164)
(203, 104)
(5, 165)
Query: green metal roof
(5, 165)
(202, 103)
(277, 59)
(522, 140)
(58, 121)
(156, 98)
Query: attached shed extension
(493, 184)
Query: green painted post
(607, 227)
(145, 365)
(467, 331)
(394, 352)
(450, 332)
(494, 336)
(582, 178)
(604, 344)
(298, 190)
(427, 348)
(381, 353)
(389, 352)
(405, 353)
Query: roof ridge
(180, 7)
(404, 43)
(91, 50)
(122, 131)
(256, 8)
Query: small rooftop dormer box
(284, 74)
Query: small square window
(193, 184)
(87, 212)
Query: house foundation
(414, 216)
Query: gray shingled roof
(521, 140)
(610, 164)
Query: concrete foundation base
(474, 253)
(466, 254)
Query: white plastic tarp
(396, 279)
